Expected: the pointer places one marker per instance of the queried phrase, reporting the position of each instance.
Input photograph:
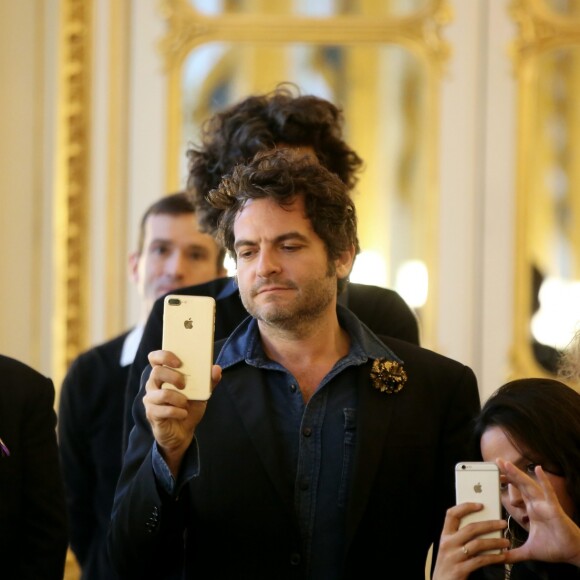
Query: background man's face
(174, 254)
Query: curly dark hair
(258, 123)
(541, 417)
(283, 175)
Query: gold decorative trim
(540, 29)
(420, 33)
(72, 199)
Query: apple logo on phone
(188, 324)
(477, 488)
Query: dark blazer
(238, 514)
(90, 429)
(33, 527)
(382, 310)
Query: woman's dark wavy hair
(282, 175)
(541, 417)
(258, 123)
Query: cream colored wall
(28, 32)
(478, 131)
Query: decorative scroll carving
(420, 32)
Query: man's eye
(197, 256)
(159, 250)
(290, 247)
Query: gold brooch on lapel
(388, 376)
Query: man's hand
(172, 416)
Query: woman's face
(495, 444)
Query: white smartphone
(478, 481)
(188, 332)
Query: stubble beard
(310, 302)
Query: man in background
(171, 253)
(281, 118)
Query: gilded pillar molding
(72, 197)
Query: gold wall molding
(539, 31)
(72, 181)
(420, 32)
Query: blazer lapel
(374, 415)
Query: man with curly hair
(281, 118)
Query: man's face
(174, 254)
(284, 275)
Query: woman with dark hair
(531, 428)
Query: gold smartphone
(188, 332)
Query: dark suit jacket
(382, 310)
(90, 429)
(238, 513)
(33, 527)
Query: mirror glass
(553, 187)
(387, 122)
(564, 7)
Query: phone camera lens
(174, 301)
(463, 467)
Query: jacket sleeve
(146, 532)
(75, 454)
(44, 522)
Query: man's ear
(345, 262)
(133, 267)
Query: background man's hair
(282, 117)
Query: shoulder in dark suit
(382, 310)
(90, 429)
(33, 527)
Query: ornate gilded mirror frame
(419, 33)
(544, 205)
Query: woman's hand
(460, 550)
(553, 535)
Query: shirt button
(295, 559)
(304, 485)
(292, 388)
(307, 431)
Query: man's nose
(175, 264)
(267, 263)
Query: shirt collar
(130, 346)
(244, 343)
